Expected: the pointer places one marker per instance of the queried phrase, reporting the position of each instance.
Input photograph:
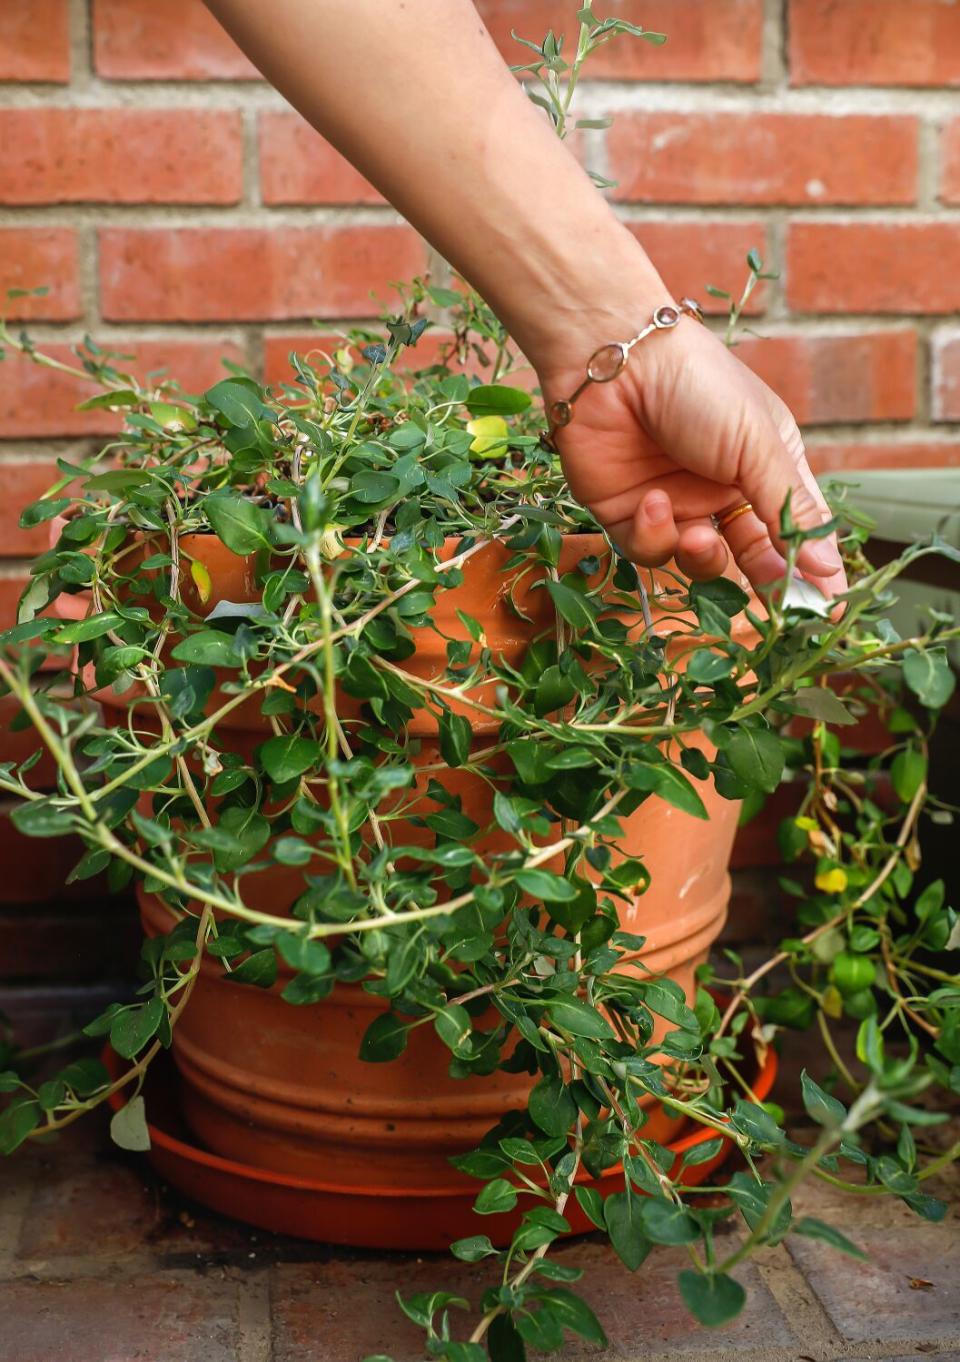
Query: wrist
(568, 297)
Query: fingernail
(657, 508)
(825, 556)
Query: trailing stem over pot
(444, 791)
(449, 788)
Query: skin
(417, 97)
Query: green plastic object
(908, 504)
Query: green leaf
(592, 1204)
(241, 405)
(299, 952)
(820, 1106)
(259, 969)
(579, 1018)
(711, 1300)
(128, 1126)
(134, 1026)
(624, 1225)
(455, 735)
(504, 1342)
(243, 526)
(16, 1123)
(703, 1152)
(756, 756)
(94, 626)
(669, 783)
(816, 1229)
(705, 666)
(665, 1222)
(454, 1027)
(39, 511)
(551, 1106)
(385, 1038)
(473, 1248)
(288, 756)
(494, 399)
(908, 771)
(208, 648)
(578, 612)
(117, 480)
(725, 595)
(819, 703)
(39, 818)
(545, 885)
(666, 999)
(929, 676)
(498, 1195)
(574, 1314)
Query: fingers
(650, 538)
(701, 553)
(771, 472)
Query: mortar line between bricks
(12, 1212)
(801, 1307)
(81, 50)
(808, 325)
(626, 95)
(145, 216)
(774, 70)
(255, 1318)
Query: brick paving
(101, 1263)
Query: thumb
(772, 470)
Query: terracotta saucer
(413, 1219)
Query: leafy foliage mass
(356, 498)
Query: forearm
(417, 97)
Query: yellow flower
(832, 881)
(490, 434)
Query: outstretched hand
(684, 433)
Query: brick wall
(178, 209)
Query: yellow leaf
(832, 1002)
(808, 824)
(171, 417)
(201, 579)
(831, 881)
(490, 434)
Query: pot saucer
(412, 1219)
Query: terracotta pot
(281, 1088)
(391, 1218)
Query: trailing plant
(359, 493)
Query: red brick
(824, 379)
(874, 267)
(33, 873)
(35, 40)
(946, 377)
(21, 483)
(35, 257)
(178, 40)
(80, 939)
(950, 162)
(719, 41)
(874, 42)
(120, 156)
(174, 1316)
(763, 158)
(844, 456)
(691, 255)
(297, 165)
(251, 274)
(35, 400)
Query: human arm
(416, 96)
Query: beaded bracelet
(610, 360)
